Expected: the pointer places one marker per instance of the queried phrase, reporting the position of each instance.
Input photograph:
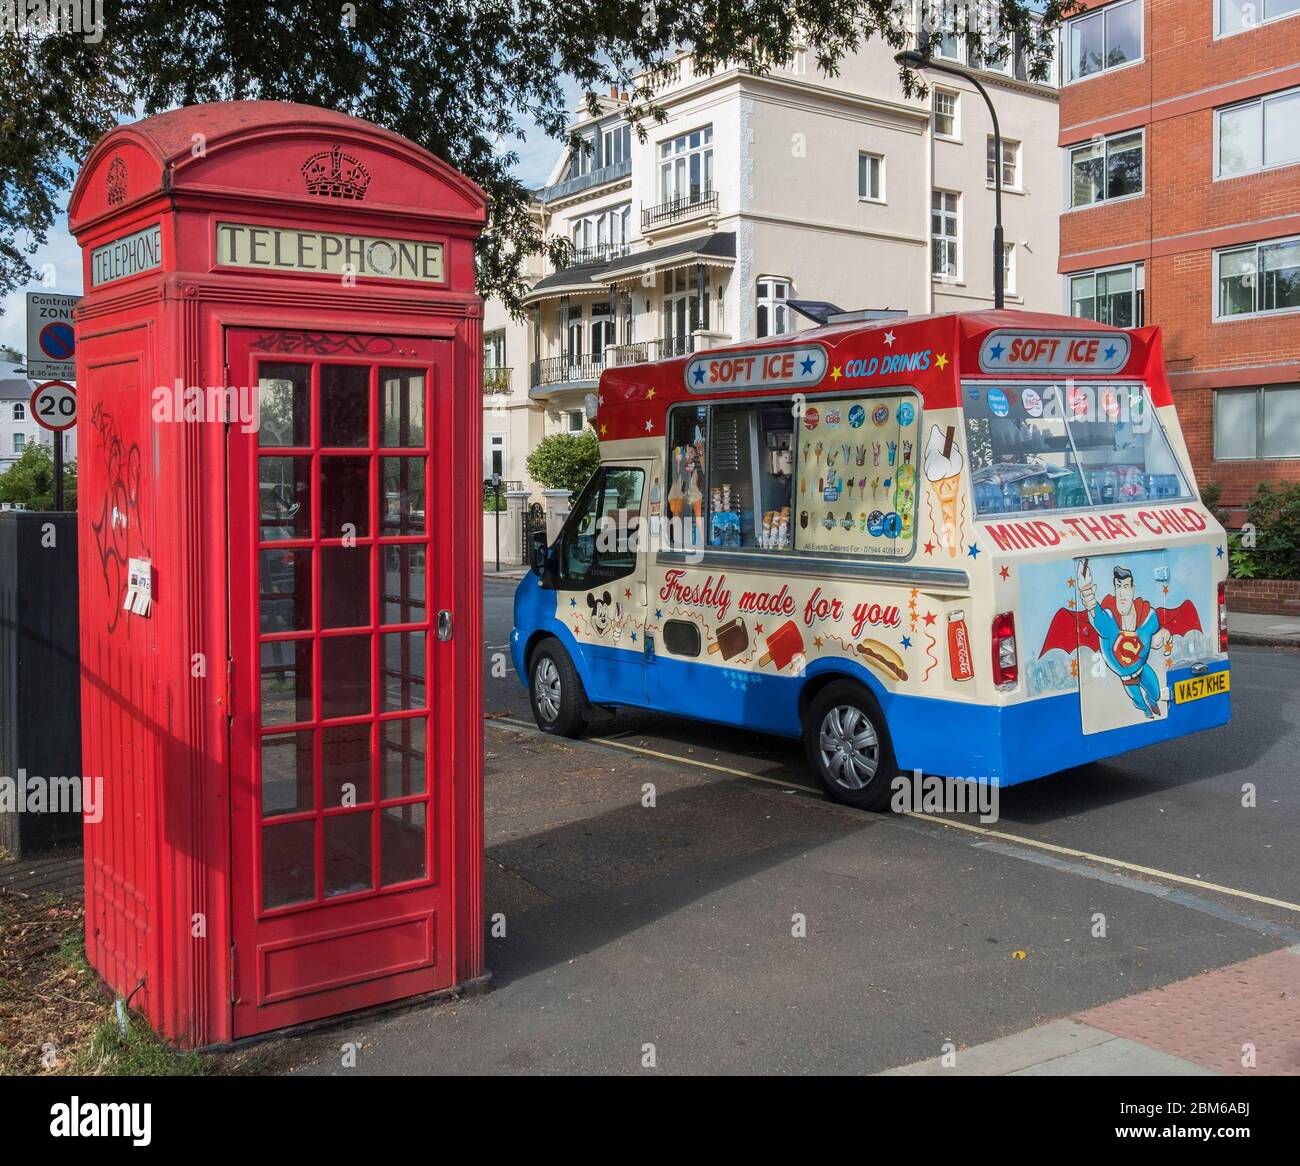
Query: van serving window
(1056, 446)
(835, 476)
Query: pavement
(1263, 630)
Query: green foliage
(564, 461)
(1211, 499)
(30, 480)
(462, 79)
(138, 1053)
(1268, 544)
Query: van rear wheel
(848, 747)
(555, 692)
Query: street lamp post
(911, 59)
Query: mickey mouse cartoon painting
(599, 612)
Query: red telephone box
(278, 374)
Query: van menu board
(857, 462)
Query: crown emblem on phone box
(334, 174)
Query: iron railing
(678, 208)
(560, 370)
(641, 351)
(496, 379)
(601, 253)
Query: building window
(495, 463)
(573, 332)
(1243, 15)
(1010, 162)
(1264, 277)
(494, 350)
(1261, 422)
(615, 145)
(20, 442)
(945, 113)
(1112, 295)
(1104, 170)
(575, 420)
(603, 235)
(580, 159)
(602, 330)
(1104, 39)
(1009, 268)
(773, 310)
(686, 309)
(946, 253)
(945, 35)
(686, 166)
(1258, 134)
(20, 411)
(871, 177)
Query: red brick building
(1180, 136)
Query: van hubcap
(850, 749)
(546, 686)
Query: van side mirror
(537, 550)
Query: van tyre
(555, 691)
(848, 747)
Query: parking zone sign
(51, 341)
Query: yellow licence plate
(1195, 687)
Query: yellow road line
(931, 819)
(1186, 880)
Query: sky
(537, 155)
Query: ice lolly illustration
(943, 464)
(733, 638)
(783, 645)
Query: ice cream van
(969, 545)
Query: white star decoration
(649, 426)
(889, 338)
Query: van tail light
(1223, 617)
(1006, 668)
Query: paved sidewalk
(1212, 1024)
(1264, 630)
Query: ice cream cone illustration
(943, 464)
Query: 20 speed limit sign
(54, 405)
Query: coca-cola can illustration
(959, 657)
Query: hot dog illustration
(733, 638)
(783, 645)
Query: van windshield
(1066, 446)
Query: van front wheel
(555, 692)
(848, 746)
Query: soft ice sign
(759, 368)
(1088, 353)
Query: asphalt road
(742, 923)
(1177, 807)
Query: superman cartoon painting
(1125, 628)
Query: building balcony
(602, 253)
(496, 380)
(665, 347)
(581, 182)
(684, 208)
(564, 371)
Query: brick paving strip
(1195, 1027)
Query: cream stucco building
(760, 190)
